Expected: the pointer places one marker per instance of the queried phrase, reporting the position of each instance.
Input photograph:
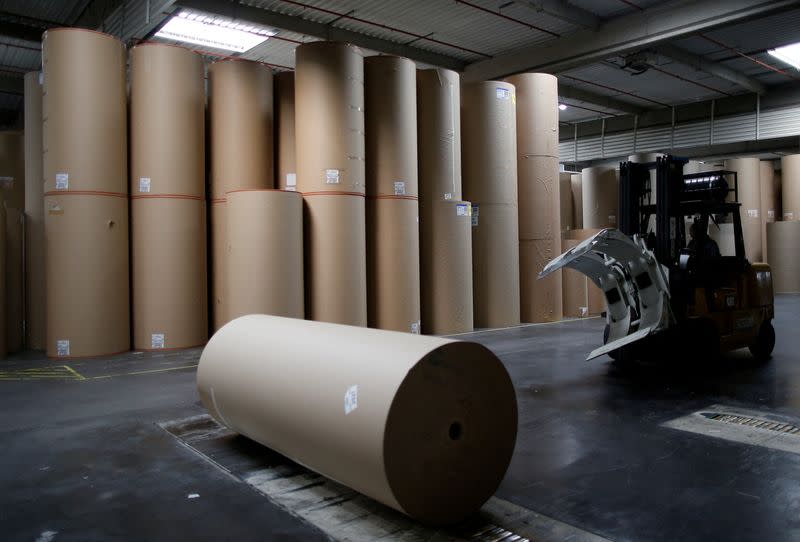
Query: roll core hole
(454, 431)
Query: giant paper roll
(446, 267)
(748, 175)
(15, 281)
(600, 187)
(790, 186)
(439, 135)
(264, 273)
(575, 287)
(539, 201)
(489, 143)
(540, 299)
(336, 259)
(3, 342)
(495, 265)
(424, 425)
(240, 107)
(537, 114)
(168, 268)
(285, 164)
(86, 247)
(565, 197)
(393, 264)
(329, 117)
(783, 238)
(85, 112)
(576, 183)
(167, 121)
(12, 169)
(34, 215)
(217, 244)
(770, 202)
(391, 126)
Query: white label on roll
(144, 184)
(6, 182)
(62, 181)
(463, 209)
(584, 311)
(332, 176)
(771, 214)
(291, 181)
(350, 399)
(752, 213)
(788, 216)
(612, 219)
(62, 348)
(448, 195)
(475, 212)
(503, 93)
(399, 188)
(157, 340)
(416, 327)
(41, 78)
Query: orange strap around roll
(85, 193)
(168, 196)
(333, 193)
(262, 190)
(218, 200)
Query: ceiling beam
(319, 30)
(716, 69)
(668, 21)
(561, 9)
(606, 102)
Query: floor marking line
(78, 375)
(150, 371)
(523, 326)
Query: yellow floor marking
(564, 321)
(142, 372)
(78, 376)
(61, 372)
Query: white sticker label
(332, 176)
(6, 182)
(448, 195)
(503, 94)
(62, 181)
(584, 311)
(350, 399)
(157, 340)
(41, 78)
(144, 184)
(62, 348)
(612, 219)
(771, 214)
(475, 212)
(752, 213)
(399, 188)
(291, 180)
(416, 327)
(788, 216)
(463, 209)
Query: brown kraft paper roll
(264, 272)
(749, 175)
(539, 200)
(537, 114)
(12, 169)
(86, 246)
(540, 299)
(218, 266)
(439, 135)
(565, 197)
(329, 117)
(770, 202)
(391, 126)
(595, 296)
(3, 319)
(424, 425)
(446, 267)
(600, 187)
(576, 184)
(34, 216)
(285, 164)
(168, 268)
(790, 186)
(336, 260)
(167, 121)
(85, 112)
(15, 282)
(495, 265)
(393, 274)
(575, 288)
(240, 107)
(783, 238)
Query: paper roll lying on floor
(424, 425)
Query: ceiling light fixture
(789, 54)
(562, 107)
(215, 32)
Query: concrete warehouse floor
(83, 457)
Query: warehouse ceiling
(612, 57)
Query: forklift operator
(701, 244)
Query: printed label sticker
(788, 216)
(350, 399)
(612, 219)
(503, 93)
(448, 195)
(291, 180)
(463, 209)
(416, 327)
(752, 213)
(157, 340)
(144, 184)
(771, 214)
(62, 348)
(332, 176)
(62, 181)
(399, 188)
(475, 212)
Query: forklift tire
(765, 342)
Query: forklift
(663, 292)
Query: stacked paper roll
(265, 253)
(329, 135)
(539, 200)
(285, 164)
(783, 238)
(600, 187)
(392, 193)
(3, 342)
(241, 111)
(445, 220)
(575, 288)
(168, 210)
(12, 169)
(748, 175)
(489, 166)
(85, 193)
(770, 201)
(15, 281)
(565, 195)
(790, 187)
(576, 184)
(34, 216)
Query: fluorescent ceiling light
(789, 54)
(215, 32)
(562, 107)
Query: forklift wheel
(765, 342)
